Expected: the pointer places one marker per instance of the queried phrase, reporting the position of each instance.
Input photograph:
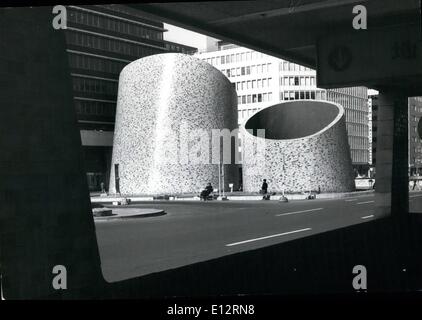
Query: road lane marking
(367, 217)
(349, 200)
(294, 212)
(365, 202)
(268, 237)
(419, 195)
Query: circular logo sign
(340, 58)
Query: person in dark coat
(207, 191)
(264, 187)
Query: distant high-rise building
(101, 41)
(373, 104)
(370, 127)
(415, 142)
(180, 48)
(355, 102)
(262, 80)
(211, 44)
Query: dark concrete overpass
(288, 29)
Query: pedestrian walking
(264, 190)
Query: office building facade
(262, 81)
(101, 40)
(414, 142)
(373, 104)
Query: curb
(152, 213)
(276, 197)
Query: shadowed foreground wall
(305, 148)
(45, 213)
(162, 100)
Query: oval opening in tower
(293, 120)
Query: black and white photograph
(210, 149)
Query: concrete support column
(391, 189)
(45, 211)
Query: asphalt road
(197, 231)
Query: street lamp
(283, 197)
(219, 179)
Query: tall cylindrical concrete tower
(169, 107)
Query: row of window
(290, 66)
(179, 48)
(95, 108)
(415, 139)
(348, 102)
(359, 155)
(414, 118)
(227, 46)
(252, 84)
(356, 116)
(255, 98)
(246, 113)
(418, 148)
(361, 92)
(357, 130)
(297, 81)
(110, 45)
(95, 86)
(250, 56)
(111, 24)
(244, 71)
(358, 142)
(130, 12)
(234, 57)
(300, 95)
(78, 61)
(416, 108)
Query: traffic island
(129, 213)
(102, 212)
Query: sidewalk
(242, 196)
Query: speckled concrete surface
(305, 148)
(162, 99)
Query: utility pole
(222, 178)
(219, 179)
